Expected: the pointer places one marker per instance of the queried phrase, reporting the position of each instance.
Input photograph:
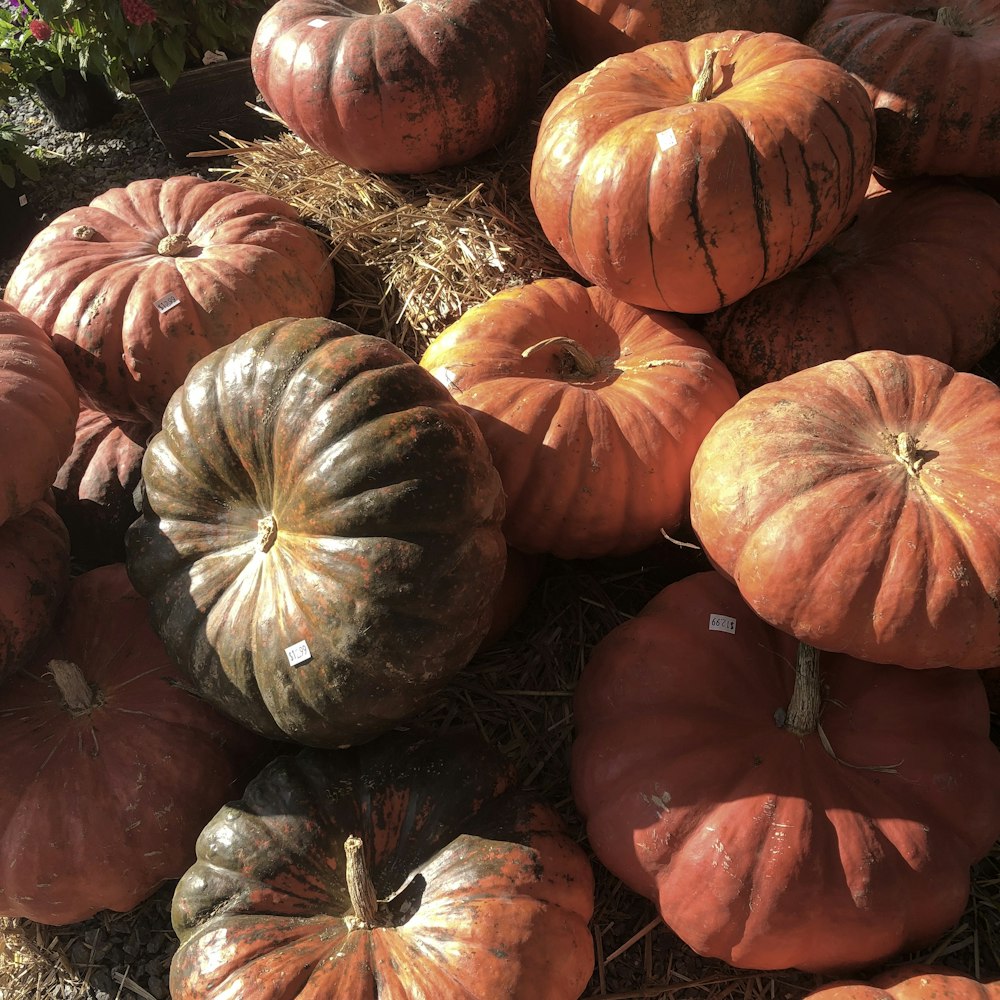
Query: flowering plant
(135, 38)
(33, 46)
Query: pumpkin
(592, 409)
(683, 175)
(593, 30)
(917, 272)
(930, 71)
(783, 808)
(38, 408)
(34, 574)
(320, 538)
(411, 867)
(119, 765)
(911, 982)
(94, 490)
(400, 87)
(854, 505)
(521, 575)
(146, 279)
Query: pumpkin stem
(77, 694)
(173, 245)
(908, 454)
(84, 233)
(950, 18)
(576, 360)
(702, 90)
(802, 716)
(359, 884)
(388, 6)
(267, 532)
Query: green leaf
(7, 174)
(168, 67)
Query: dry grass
(412, 254)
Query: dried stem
(77, 694)
(702, 90)
(802, 716)
(359, 884)
(580, 360)
(173, 245)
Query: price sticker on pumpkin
(298, 653)
(22, 200)
(167, 302)
(317, 22)
(722, 623)
(666, 139)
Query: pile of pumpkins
(290, 532)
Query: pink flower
(138, 12)
(40, 30)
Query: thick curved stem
(267, 533)
(907, 453)
(577, 359)
(77, 694)
(173, 245)
(388, 6)
(702, 90)
(359, 884)
(802, 715)
(950, 18)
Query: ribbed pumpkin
(38, 408)
(782, 809)
(320, 539)
(683, 175)
(854, 505)
(911, 982)
(412, 867)
(396, 86)
(147, 279)
(593, 30)
(917, 272)
(592, 409)
(113, 765)
(34, 574)
(94, 490)
(930, 70)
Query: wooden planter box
(204, 102)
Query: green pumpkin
(320, 540)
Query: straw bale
(413, 253)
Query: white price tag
(666, 139)
(317, 22)
(298, 653)
(22, 200)
(167, 302)
(722, 623)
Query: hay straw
(412, 254)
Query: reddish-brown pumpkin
(855, 506)
(34, 574)
(592, 410)
(917, 272)
(400, 87)
(911, 982)
(930, 70)
(117, 765)
(38, 408)
(412, 867)
(95, 488)
(779, 816)
(682, 180)
(147, 279)
(593, 30)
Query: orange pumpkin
(911, 982)
(592, 410)
(683, 175)
(931, 73)
(137, 286)
(855, 506)
(918, 272)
